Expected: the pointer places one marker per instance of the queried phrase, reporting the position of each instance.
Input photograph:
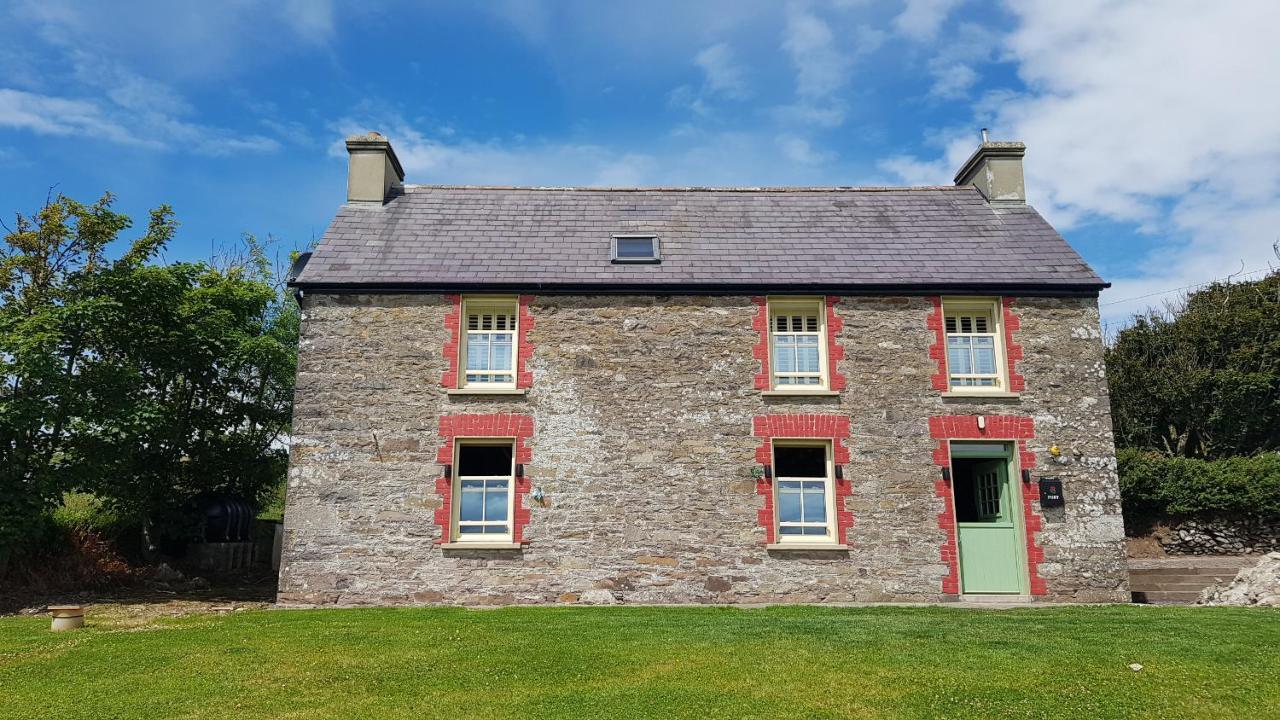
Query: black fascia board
(400, 288)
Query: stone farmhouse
(698, 395)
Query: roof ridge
(697, 188)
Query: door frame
(993, 450)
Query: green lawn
(532, 663)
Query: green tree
(47, 318)
(149, 385)
(1202, 381)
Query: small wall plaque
(1051, 492)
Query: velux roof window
(636, 249)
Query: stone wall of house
(643, 410)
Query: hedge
(1154, 487)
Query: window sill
(480, 546)
(485, 391)
(971, 394)
(805, 546)
(800, 393)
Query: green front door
(989, 547)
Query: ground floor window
(804, 494)
(484, 486)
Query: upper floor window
(488, 341)
(636, 249)
(797, 341)
(975, 349)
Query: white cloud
(59, 116)
(724, 75)
(821, 66)
(800, 151)
(1163, 116)
(687, 156)
(922, 19)
(52, 115)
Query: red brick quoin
(498, 425)
(835, 351)
(938, 350)
(524, 348)
(827, 427)
(999, 427)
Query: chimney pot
(995, 168)
(373, 171)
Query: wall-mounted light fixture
(982, 422)
(519, 470)
(839, 472)
(768, 472)
(1026, 475)
(448, 471)
(946, 475)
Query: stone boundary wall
(1218, 536)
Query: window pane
(984, 355)
(501, 352)
(788, 506)
(786, 355)
(636, 247)
(800, 461)
(495, 529)
(478, 351)
(815, 531)
(791, 530)
(472, 505)
(495, 504)
(482, 460)
(471, 529)
(807, 360)
(815, 505)
(959, 359)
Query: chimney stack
(995, 168)
(374, 170)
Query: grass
(532, 663)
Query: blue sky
(1151, 127)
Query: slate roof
(445, 237)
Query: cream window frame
(504, 304)
(829, 496)
(456, 522)
(792, 306)
(991, 308)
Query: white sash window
(804, 492)
(489, 342)
(975, 350)
(484, 490)
(797, 342)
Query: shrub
(1153, 487)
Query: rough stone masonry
(643, 444)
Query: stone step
(1170, 586)
(1166, 597)
(1188, 571)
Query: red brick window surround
(835, 428)
(764, 380)
(523, 351)
(1009, 322)
(495, 426)
(945, 428)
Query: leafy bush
(1153, 487)
(85, 511)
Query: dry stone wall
(643, 409)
